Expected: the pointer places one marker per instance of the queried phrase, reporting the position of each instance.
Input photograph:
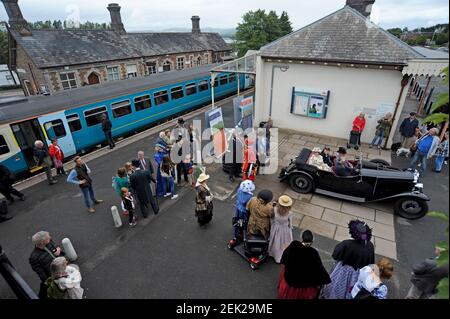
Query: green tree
(395, 31)
(259, 28)
(442, 99)
(285, 23)
(443, 257)
(4, 50)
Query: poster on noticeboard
(309, 103)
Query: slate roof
(343, 36)
(431, 53)
(32, 106)
(50, 48)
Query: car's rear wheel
(301, 183)
(411, 208)
(380, 161)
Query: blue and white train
(73, 117)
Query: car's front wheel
(411, 208)
(301, 183)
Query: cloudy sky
(159, 15)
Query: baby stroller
(354, 140)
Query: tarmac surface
(169, 255)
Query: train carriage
(74, 117)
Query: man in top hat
(140, 184)
(343, 166)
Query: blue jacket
(408, 127)
(242, 199)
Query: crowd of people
(355, 275)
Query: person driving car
(343, 167)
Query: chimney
(195, 24)
(116, 19)
(363, 6)
(16, 20)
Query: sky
(145, 15)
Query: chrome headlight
(416, 176)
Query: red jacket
(56, 152)
(358, 124)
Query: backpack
(53, 291)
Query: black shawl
(354, 253)
(303, 266)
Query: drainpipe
(403, 83)
(283, 68)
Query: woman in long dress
(350, 255)
(302, 274)
(203, 201)
(281, 228)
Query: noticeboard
(309, 103)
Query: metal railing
(17, 284)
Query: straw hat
(285, 201)
(203, 177)
(316, 149)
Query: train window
(121, 108)
(94, 116)
(223, 80)
(232, 77)
(4, 149)
(161, 97)
(191, 88)
(55, 129)
(142, 102)
(216, 82)
(202, 86)
(74, 122)
(176, 92)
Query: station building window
(74, 122)
(113, 73)
(176, 92)
(131, 70)
(223, 80)
(94, 116)
(202, 85)
(142, 102)
(121, 108)
(68, 81)
(151, 67)
(191, 88)
(199, 61)
(161, 97)
(4, 148)
(55, 129)
(180, 63)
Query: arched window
(93, 78)
(199, 61)
(167, 66)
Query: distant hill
(435, 35)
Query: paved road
(169, 255)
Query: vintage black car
(372, 181)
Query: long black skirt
(204, 216)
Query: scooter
(254, 249)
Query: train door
(55, 125)
(26, 133)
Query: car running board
(341, 196)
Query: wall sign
(309, 103)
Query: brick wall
(51, 76)
(32, 74)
